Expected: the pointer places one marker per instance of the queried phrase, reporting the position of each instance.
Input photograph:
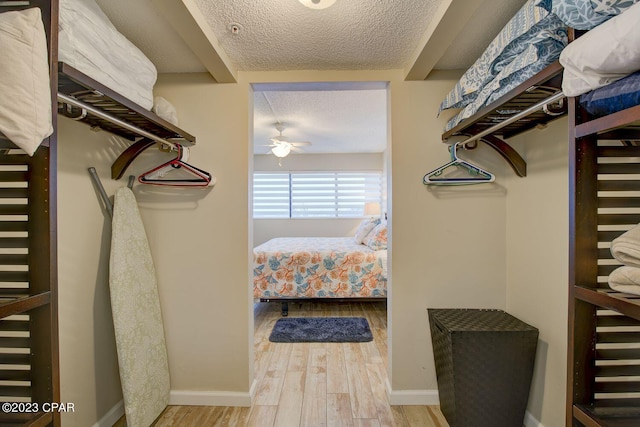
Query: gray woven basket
(484, 364)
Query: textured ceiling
(285, 35)
(334, 121)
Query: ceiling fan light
(281, 150)
(317, 4)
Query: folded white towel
(625, 279)
(626, 247)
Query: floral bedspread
(318, 267)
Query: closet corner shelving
(604, 344)
(28, 242)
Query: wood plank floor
(314, 384)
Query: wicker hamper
(484, 364)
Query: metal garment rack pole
(524, 113)
(101, 114)
(103, 194)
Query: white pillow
(364, 228)
(25, 104)
(605, 54)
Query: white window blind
(315, 194)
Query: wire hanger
(477, 175)
(190, 176)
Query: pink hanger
(156, 176)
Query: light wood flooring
(314, 384)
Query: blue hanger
(477, 175)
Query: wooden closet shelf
(23, 304)
(73, 83)
(593, 416)
(530, 92)
(626, 304)
(623, 125)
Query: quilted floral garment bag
(137, 319)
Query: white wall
(448, 243)
(88, 362)
(265, 229)
(537, 261)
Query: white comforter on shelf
(90, 43)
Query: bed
(303, 268)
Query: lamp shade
(281, 149)
(372, 209)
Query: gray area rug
(321, 329)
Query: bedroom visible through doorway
(320, 156)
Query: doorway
(319, 168)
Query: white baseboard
(209, 398)
(531, 421)
(111, 417)
(414, 397)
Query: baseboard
(209, 398)
(414, 397)
(531, 421)
(112, 416)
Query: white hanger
(477, 174)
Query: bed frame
(285, 301)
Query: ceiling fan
(281, 146)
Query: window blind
(315, 194)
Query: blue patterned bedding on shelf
(533, 60)
(617, 96)
(532, 25)
(585, 14)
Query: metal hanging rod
(539, 106)
(101, 114)
(101, 191)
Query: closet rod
(524, 113)
(103, 194)
(101, 114)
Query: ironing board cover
(137, 319)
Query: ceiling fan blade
(300, 143)
(296, 149)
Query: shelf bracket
(123, 161)
(515, 160)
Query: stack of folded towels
(626, 249)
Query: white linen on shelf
(604, 55)
(90, 43)
(25, 106)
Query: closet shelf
(73, 83)
(530, 92)
(15, 304)
(523, 108)
(594, 416)
(116, 114)
(626, 304)
(624, 125)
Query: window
(315, 194)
